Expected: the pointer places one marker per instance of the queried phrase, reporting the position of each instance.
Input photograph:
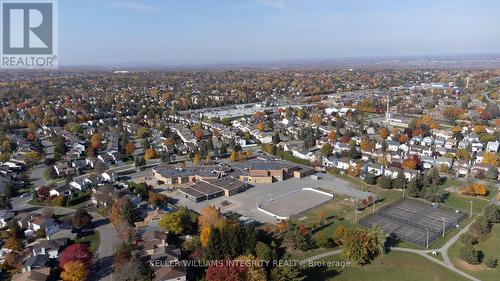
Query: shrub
(468, 239)
(469, 254)
(324, 241)
(491, 262)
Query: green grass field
(489, 247)
(397, 266)
(92, 240)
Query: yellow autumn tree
(149, 154)
(261, 126)
(197, 159)
(74, 271)
(234, 156)
(478, 129)
(205, 232)
(490, 158)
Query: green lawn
(395, 266)
(93, 241)
(457, 201)
(489, 247)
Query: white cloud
(136, 5)
(276, 3)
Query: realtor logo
(29, 34)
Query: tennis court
(415, 222)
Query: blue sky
(217, 31)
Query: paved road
(105, 255)
(36, 175)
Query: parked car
(84, 233)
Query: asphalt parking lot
(245, 203)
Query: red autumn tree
(76, 252)
(225, 272)
(198, 134)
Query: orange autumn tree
(409, 163)
(316, 119)
(95, 141)
(261, 126)
(332, 136)
(366, 145)
(282, 226)
(434, 125)
(129, 148)
(476, 189)
(354, 170)
(211, 216)
(384, 133)
(403, 138)
(479, 189)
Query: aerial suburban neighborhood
(203, 158)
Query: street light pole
(470, 215)
(444, 222)
(427, 240)
(356, 211)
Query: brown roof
(40, 274)
(169, 272)
(154, 235)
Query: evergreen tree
(370, 179)
(413, 188)
(384, 182)
(276, 138)
(214, 250)
(399, 181)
